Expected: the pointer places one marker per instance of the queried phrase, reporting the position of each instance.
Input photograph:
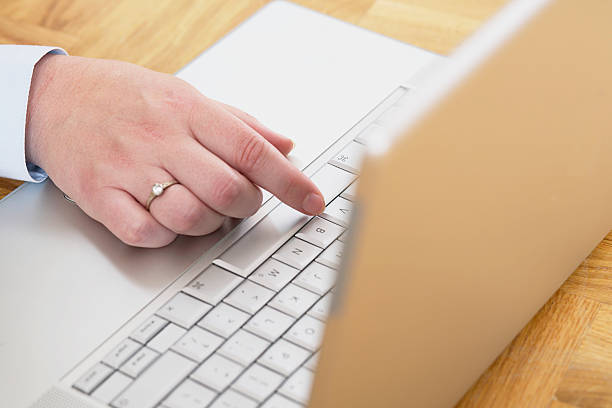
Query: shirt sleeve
(16, 67)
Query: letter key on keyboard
(284, 357)
(258, 382)
(243, 347)
(224, 320)
(217, 372)
(232, 399)
(339, 211)
(273, 274)
(297, 387)
(278, 401)
(269, 323)
(332, 256)
(166, 338)
(307, 332)
(297, 253)
(249, 296)
(317, 278)
(197, 344)
(293, 300)
(184, 310)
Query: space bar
(262, 240)
(147, 390)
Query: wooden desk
(562, 358)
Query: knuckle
(136, 232)
(188, 218)
(179, 97)
(214, 225)
(250, 153)
(255, 203)
(227, 192)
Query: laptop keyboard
(246, 331)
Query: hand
(106, 131)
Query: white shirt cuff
(16, 67)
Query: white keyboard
(246, 331)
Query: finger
(282, 143)
(212, 180)
(128, 220)
(182, 212)
(249, 153)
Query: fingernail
(313, 204)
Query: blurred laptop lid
(478, 214)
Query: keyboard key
(371, 133)
(189, 395)
(391, 118)
(157, 381)
(249, 296)
(92, 378)
(197, 344)
(297, 253)
(273, 274)
(269, 323)
(166, 338)
(351, 192)
(148, 329)
(332, 256)
(111, 387)
(311, 364)
(331, 180)
(213, 284)
(121, 353)
(317, 278)
(284, 357)
(298, 386)
(217, 372)
(263, 239)
(224, 320)
(258, 382)
(139, 361)
(406, 94)
(344, 236)
(278, 401)
(350, 157)
(321, 309)
(293, 300)
(320, 232)
(307, 332)
(232, 399)
(243, 347)
(339, 211)
(184, 310)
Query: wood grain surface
(562, 358)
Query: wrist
(43, 74)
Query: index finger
(247, 151)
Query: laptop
(470, 212)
